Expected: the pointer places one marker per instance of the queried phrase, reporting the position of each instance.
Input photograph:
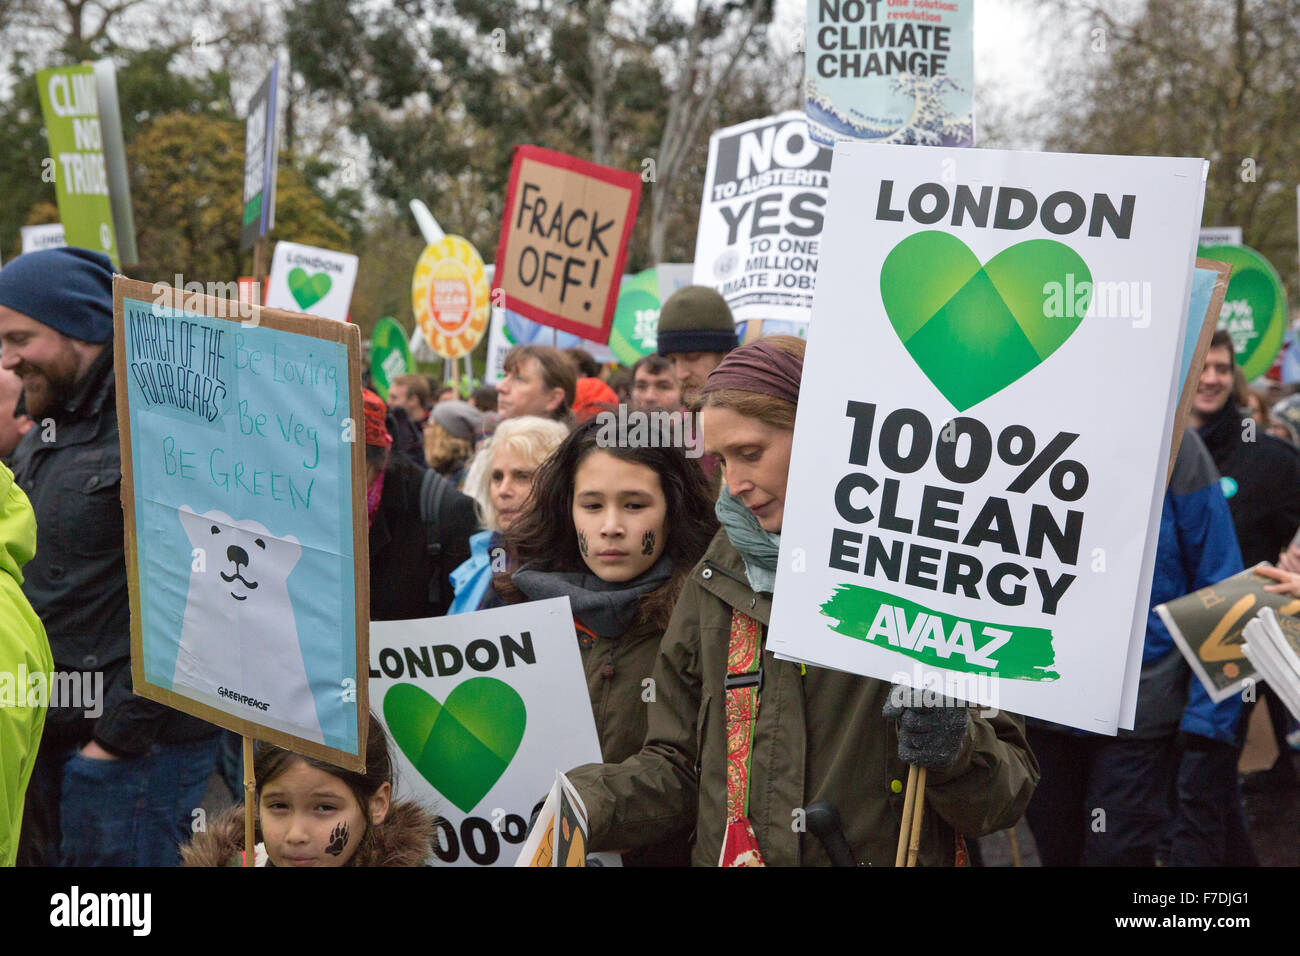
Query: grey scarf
(607, 608)
(757, 547)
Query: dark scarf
(607, 608)
(1222, 431)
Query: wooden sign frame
(328, 330)
(1211, 322)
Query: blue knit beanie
(68, 289)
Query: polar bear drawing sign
(239, 640)
(249, 595)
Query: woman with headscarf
(740, 743)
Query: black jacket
(1261, 479)
(77, 581)
(401, 568)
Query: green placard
(390, 354)
(70, 106)
(636, 317)
(1254, 309)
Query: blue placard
(241, 457)
(1203, 281)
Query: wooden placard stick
(918, 808)
(905, 829)
(259, 267)
(250, 796)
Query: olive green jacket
(618, 672)
(819, 735)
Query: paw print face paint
(338, 839)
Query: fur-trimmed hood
(405, 838)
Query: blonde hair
(531, 437)
(443, 450)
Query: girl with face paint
(311, 813)
(617, 530)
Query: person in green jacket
(26, 664)
(817, 733)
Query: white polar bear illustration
(239, 641)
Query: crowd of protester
(507, 494)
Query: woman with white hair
(500, 480)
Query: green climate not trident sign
(70, 105)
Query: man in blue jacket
(1172, 780)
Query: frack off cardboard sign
(484, 708)
(244, 496)
(983, 429)
(564, 236)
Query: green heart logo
(308, 289)
(972, 329)
(461, 747)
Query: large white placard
(483, 708)
(761, 218)
(983, 431)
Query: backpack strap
(434, 490)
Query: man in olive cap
(695, 331)
(117, 776)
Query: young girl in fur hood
(311, 813)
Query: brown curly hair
(544, 536)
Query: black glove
(927, 736)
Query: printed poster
(901, 71)
(1207, 626)
(449, 295)
(390, 354)
(761, 217)
(70, 106)
(484, 709)
(244, 493)
(1254, 309)
(972, 508)
(315, 281)
(49, 236)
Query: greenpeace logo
(241, 699)
(77, 909)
